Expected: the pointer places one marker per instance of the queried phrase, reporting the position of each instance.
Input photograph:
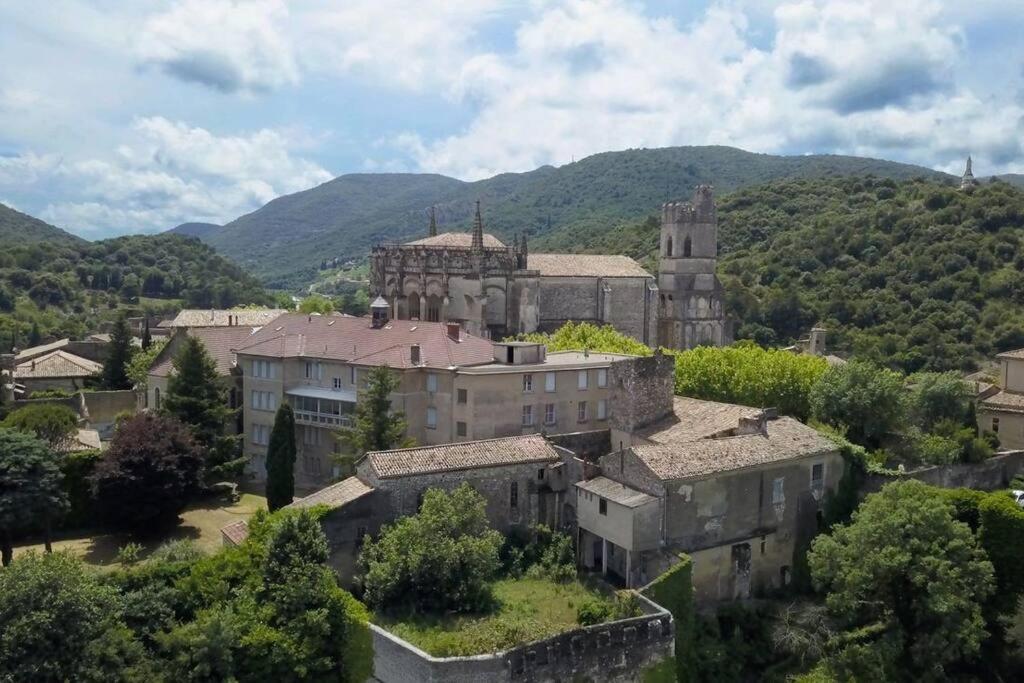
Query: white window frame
(550, 414)
(602, 377)
(778, 490)
(352, 375)
(432, 382)
(582, 380)
(431, 418)
(819, 484)
(602, 409)
(527, 383)
(336, 383)
(581, 411)
(549, 382)
(527, 415)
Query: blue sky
(123, 117)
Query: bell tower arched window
(668, 247)
(687, 246)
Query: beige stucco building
(1003, 412)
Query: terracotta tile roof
(694, 419)
(510, 450)
(335, 495)
(585, 265)
(1005, 400)
(36, 351)
(354, 340)
(236, 532)
(456, 239)
(787, 439)
(616, 492)
(1016, 354)
(252, 317)
(219, 343)
(57, 364)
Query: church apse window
(687, 246)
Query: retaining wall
(994, 473)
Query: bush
(673, 590)
(78, 468)
(539, 553)
(593, 611)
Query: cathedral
(495, 289)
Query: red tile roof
(219, 343)
(57, 364)
(510, 450)
(235, 533)
(354, 340)
(335, 495)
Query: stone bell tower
(691, 309)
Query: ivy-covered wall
(673, 590)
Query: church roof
(456, 239)
(585, 265)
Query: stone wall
(101, 407)
(994, 473)
(625, 303)
(586, 445)
(616, 651)
(642, 391)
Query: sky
(125, 117)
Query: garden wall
(994, 473)
(586, 445)
(616, 651)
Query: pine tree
(35, 337)
(197, 398)
(147, 337)
(376, 427)
(119, 354)
(281, 459)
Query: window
(817, 476)
(311, 464)
(263, 368)
(460, 429)
(431, 383)
(463, 396)
(602, 377)
(337, 383)
(264, 400)
(527, 416)
(602, 506)
(764, 544)
(779, 490)
(156, 398)
(431, 418)
(602, 409)
(527, 384)
(581, 380)
(314, 370)
(352, 375)
(513, 494)
(311, 436)
(549, 382)
(540, 474)
(668, 247)
(582, 411)
(260, 434)
(995, 424)
(549, 414)
(687, 246)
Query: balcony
(327, 420)
(330, 409)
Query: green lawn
(527, 610)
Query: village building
(214, 317)
(493, 289)
(54, 370)
(1001, 409)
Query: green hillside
(200, 230)
(19, 228)
(68, 288)
(284, 242)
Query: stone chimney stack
(454, 331)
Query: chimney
(454, 331)
(414, 354)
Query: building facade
(1002, 413)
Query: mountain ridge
(16, 226)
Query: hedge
(1001, 534)
(673, 590)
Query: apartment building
(1002, 412)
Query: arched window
(668, 247)
(156, 398)
(687, 246)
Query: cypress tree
(119, 354)
(35, 336)
(281, 459)
(147, 337)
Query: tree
(441, 559)
(316, 303)
(197, 398)
(938, 396)
(30, 488)
(35, 337)
(147, 475)
(376, 427)
(861, 397)
(281, 459)
(147, 336)
(119, 355)
(61, 623)
(907, 572)
(50, 422)
(138, 367)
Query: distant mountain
(17, 227)
(284, 242)
(200, 230)
(1012, 178)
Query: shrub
(593, 611)
(673, 590)
(78, 467)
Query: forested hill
(913, 274)
(199, 230)
(20, 228)
(69, 288)
(285, 241)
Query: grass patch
(526, 610)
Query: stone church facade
(495, 289)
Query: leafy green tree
(142, 360)
(444, 558)
(908, 572)
(866, 400)
(30, 488)
(61, 623)
(119, 355)
(148, 473)
(316, 303)
(281, 459)
(589, 337)
(53, 423)
(377, 427)
(197, 397)
(938, 396)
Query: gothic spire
(433, 222)
(478, 230)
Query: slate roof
(251, 317)
(236, 532)
(616, 492)
(57, 364)
(787, 439)
(456, 239)
(219, 343)
(1005, 400)
(356, 341)
(510, 450)
(694, 419)
(585, 265)
(335, 495)
(1016, 354)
